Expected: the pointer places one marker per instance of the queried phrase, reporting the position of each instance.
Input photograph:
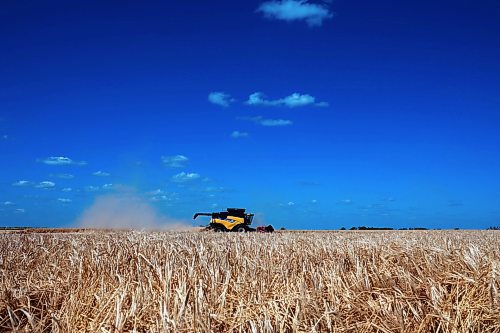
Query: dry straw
(412, 281)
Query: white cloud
(91, 188)
(22, 183)
(291, 203)
(155, 192)
(275, 122)
(268, 122)
(238, 134)
(61, 160)
(7, 203)
(45, 184)
(64, 200)
(101, 174)
(215, 189)
(185, 177)
(67, 189)
(164, 197)
(258, 98)
(314, 201)
(292, 101)
(220, 98)
(177, 161)
(62, 175)
(296, 10)
(5, 137)
(20, 210)
(107, 186)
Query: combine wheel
(241, 229)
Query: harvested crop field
(388, 281)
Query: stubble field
(388, 281)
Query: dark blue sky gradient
(410, 136)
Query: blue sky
(310, 114)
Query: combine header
(233, 219)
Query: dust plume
(127, 211)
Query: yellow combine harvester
(233, 219)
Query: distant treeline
(417, 228)
(381, 228)
(14, 228)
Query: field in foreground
(393, 281)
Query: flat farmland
(310, 281)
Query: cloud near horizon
(220, 98)
(292, 101)
(296, 10)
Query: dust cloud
(127, 211)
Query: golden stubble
(132, 281)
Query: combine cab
(233, 219)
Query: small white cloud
(5, 137)
(155, 192)
(185, 177)
(258, 98)
(314, 201)
(296, 100)
(275, 122)
(215, 189)
(346, 201)
(291, 203)
(238, 134)
(158, 198)
(64, 200)
(214, 205)
(21, 183)
(268, 122)
(91, 188)
(45, 184)
(164, 196)
(61, 160)
(292, 101)
(8, 203)
(101, 174)
(67, 189)
(107, 187)
(62, 175)
(296, 10)
(176, 161)
(20, 210)
(220, 98)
